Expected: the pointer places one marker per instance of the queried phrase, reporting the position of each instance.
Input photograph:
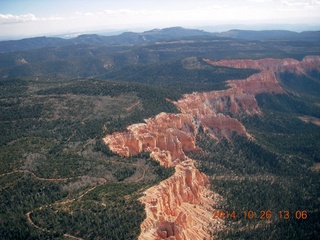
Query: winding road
(65, 201)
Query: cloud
(116, 12)
(302, 3)
(9, 18)
(126, 12)
(260, 1)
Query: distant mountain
(132, 38)
(32, 43)
(107, 59)
(174, 32)
(139, 38)
(271, 35)
(126, 38)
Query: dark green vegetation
(185, 76)
(305, 83)
(111, 211)
(52, 157)
(57, 178)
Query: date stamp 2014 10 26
(262, 214)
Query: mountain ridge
(133, 38)
(271, 35)
(125, 38)
(138, 53)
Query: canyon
(181, 207)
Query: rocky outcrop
(271, 64)
(166, 136)
(180, 207)
(310, 119)
(240, 97)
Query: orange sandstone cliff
(180, 207)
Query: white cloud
(260, 1)
(301, 3)
(9, 18)
(116, 12)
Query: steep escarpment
(240, 97)
(180, 207)
(271, 64)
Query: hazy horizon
(31, 18)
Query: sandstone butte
(180, 207)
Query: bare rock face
(240, 97)
(180, 207)
(166, 136)
(237, 100)
(271, 64)
(221, 126)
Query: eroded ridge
(180, 207)
(240, 97)
(271, 64)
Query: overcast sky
(47, 17)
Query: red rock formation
(222, 126)
(271, 64)
(166, 136)
(240, 97)
(267, 64)
(180, 206)
(233, 101)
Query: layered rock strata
(270, 64)
(180, 207)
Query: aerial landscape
(173, 120)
